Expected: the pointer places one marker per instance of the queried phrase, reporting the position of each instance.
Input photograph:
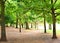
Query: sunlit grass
(51, 31)
(58, 31)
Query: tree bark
(27, 26)
(54, 21)
(20, 28)
(44, 24)
(16, 21)
(3, 31)
(35, 25)
(54, 26)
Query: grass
(51, 31)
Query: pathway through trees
(29, 36)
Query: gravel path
(14, 36)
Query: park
(29, 21)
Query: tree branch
(55, 1)
(42, 10)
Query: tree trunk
(54, 21)
(50, 27)
(16, 21)
(22, 25)
(20, 28)
(35, 25)
(3, 31)
(27, 26)
(6, 25)
(10, 24)
(31, 25)
(54, 26)
(44, 24)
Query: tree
(54, 20)
(20, 26)
(3, 31)
(16, 20)
(49, 20)
(44, 23)
(53, 7)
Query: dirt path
(26, 36)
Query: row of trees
(22, 12)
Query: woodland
(28, 15)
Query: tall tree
(27, 26)
(54, 5)
(3, 31)
(16, 20)
(54, 20)
(44, 23)
(49, 20)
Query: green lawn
(51, 31)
